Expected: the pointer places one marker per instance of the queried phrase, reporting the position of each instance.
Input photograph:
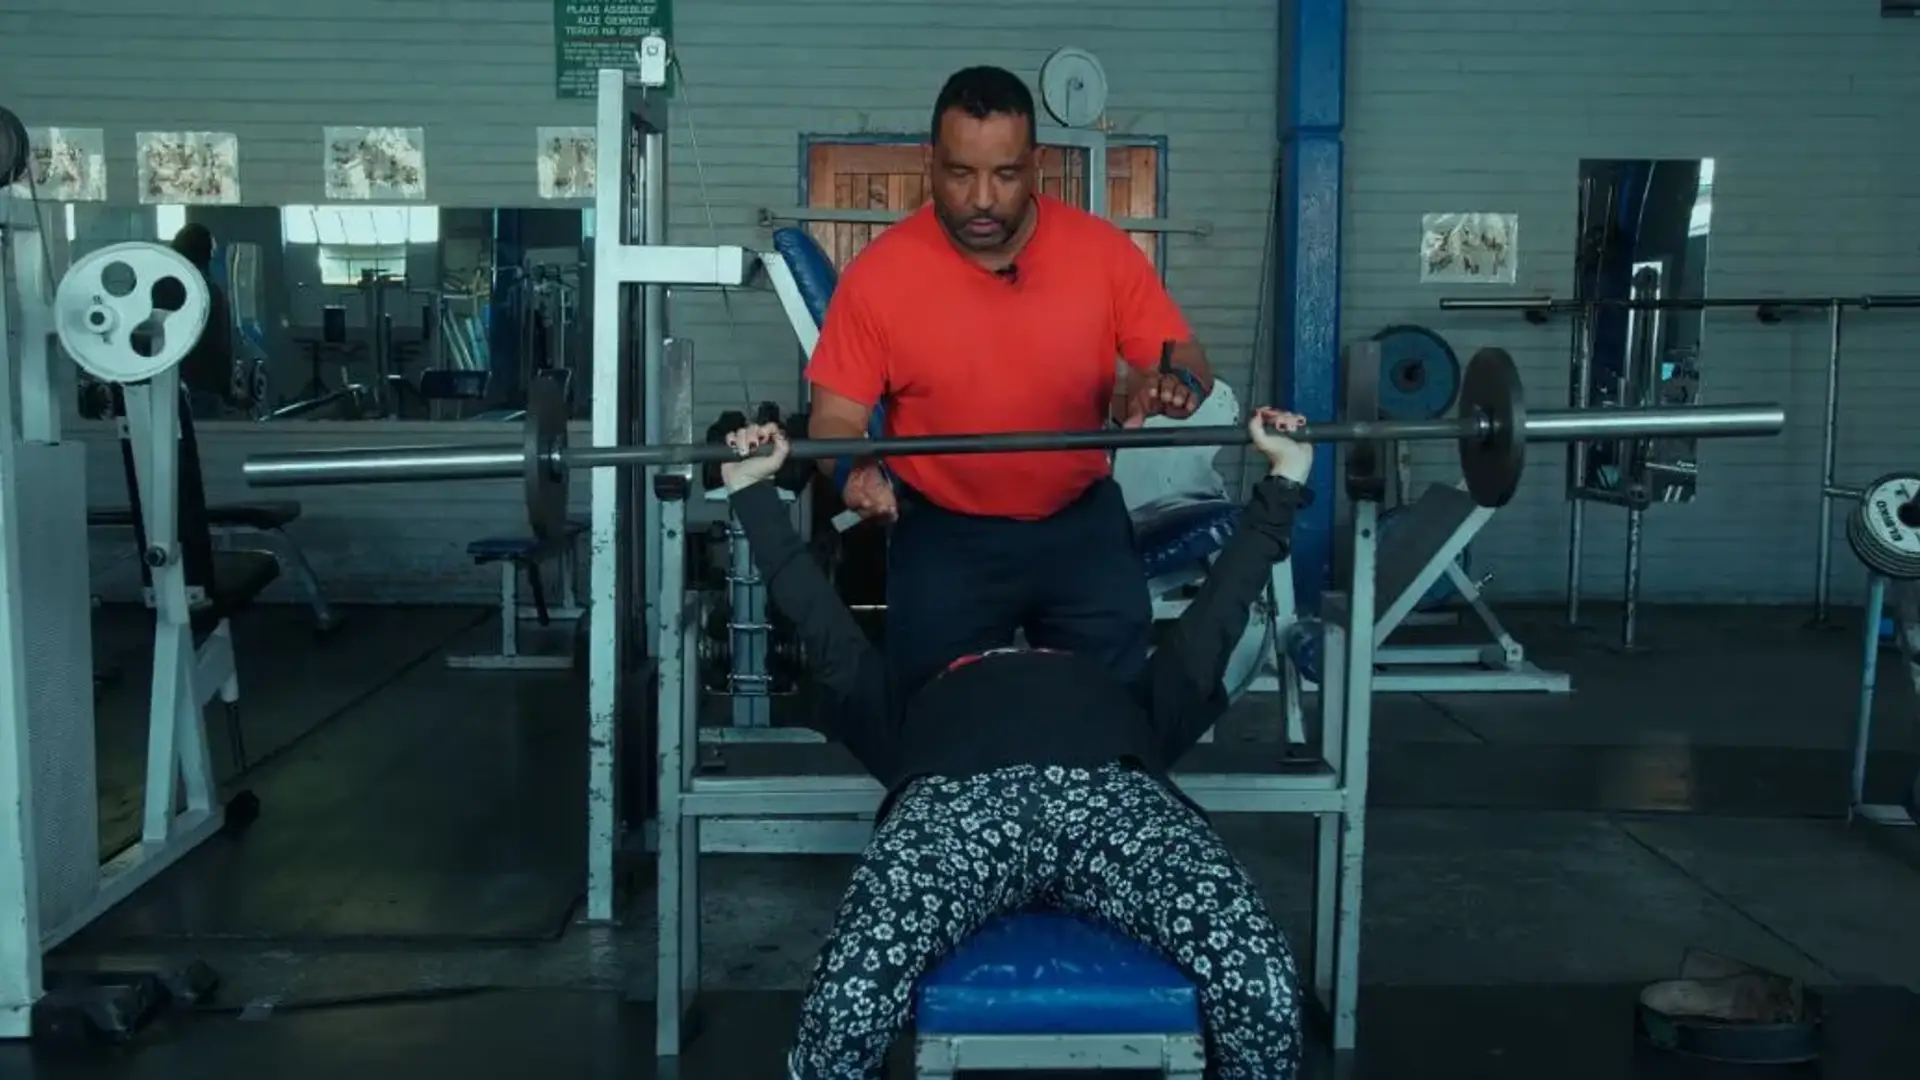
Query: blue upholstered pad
(503, 547)
(813, 272)
(1175, 536)
(495, 548)
(1047, 974)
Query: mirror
(1640, 273)
(362, 312)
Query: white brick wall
(478, 76)
(1808, 109)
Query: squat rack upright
(1770, 310)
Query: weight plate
(1365, 464)
(546, 444)
(1493, 463)
(108, 311)
(1419, 374)
(1884, 530)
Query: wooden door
(892, 177)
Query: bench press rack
(810, 798)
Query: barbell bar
(1492, 429)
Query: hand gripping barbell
(1492, 430)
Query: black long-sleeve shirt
(1019, 707)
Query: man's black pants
(959, 585)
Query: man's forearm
(1190, 357)
(834, 427)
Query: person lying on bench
(1026, 778)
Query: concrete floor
(1531, 861)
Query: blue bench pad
(1176, 537)
(495, 548)
(1047, 974)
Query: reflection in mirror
(362, 312)
(1641, 273)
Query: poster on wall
(1469, 249)
(384, 164)
(188, 168)
(68, 165)
(592, 34)
(565, 160)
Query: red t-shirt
(953, 348)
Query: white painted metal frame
(1175, 1056)
(1857, 804)
(180, 809)
(1499, 666)
(630, 249)
(780, 277)
(625, 575)
(20, 975)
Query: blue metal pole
(1306, 368)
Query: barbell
(1491, 429)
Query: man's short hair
(195, 241)
(981, 92)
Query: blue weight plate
(1419, 374)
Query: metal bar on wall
(770, 218)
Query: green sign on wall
(592, 34)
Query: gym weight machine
(52, 882)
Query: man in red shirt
(995, 308)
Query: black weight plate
(1493, 463)
(546, 440)
(1366, 471)
(1419, 374)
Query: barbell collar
(426, 464)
